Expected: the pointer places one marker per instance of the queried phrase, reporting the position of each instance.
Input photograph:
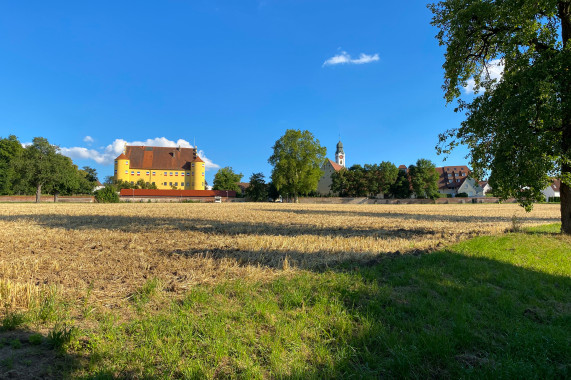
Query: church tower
(340, 154)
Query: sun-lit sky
(230, 75)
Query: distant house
(486, 188)
(451, 178)
(553, 190)
(471, 187)
(98, 186)
(243, 186)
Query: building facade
(165, 167)
(329, 167)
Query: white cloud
(106, 155)
(345, 58)
(495, 70)
(88, 139)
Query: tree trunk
(39, 194)
(565, 16)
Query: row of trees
(387, 180)
(39, 167)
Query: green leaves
(519, 129)
(226, 179)
(297, 161)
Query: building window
(170, 183)
(154, 173)
(153, 183)
(126, 162)
(165, 173)
(171, 173)
(164, 183)
(188, 184)
(202, 165)
(148, 173)
(115, 162)
(132, 183)
(192, 165)
(132, 173)
(457, 180)
(138, 173)
(175, 173)
(126, 172)
(187, 173)
(115, 171)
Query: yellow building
(165, 167)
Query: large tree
(297, 161)
(519, 128)
(424, 179)
(42, 166)
(10, 151)
(226, 179)
(257, 191)
(381, 177)
(401, 188)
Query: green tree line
(386, 179)
(39, 168)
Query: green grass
(491, 307)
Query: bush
(107, 195)
(462, 195)
(554, 200)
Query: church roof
(339, 145)
(122, 157)
(154, 157)
(335, 165)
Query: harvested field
(114, 249)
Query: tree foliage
(297, 158)
(107, 195)
(401, 188)
(258, 189)
(424, 179)
(519, 129)
(10, 151)
(40, 167)
(368, 180)
(226, 179)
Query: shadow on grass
(438, 315)
(446, 315)
(26, 354)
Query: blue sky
(231, 75)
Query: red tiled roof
(451, 172)
(556, 185)
(152, 157)
(483, 184)
(122, 157)
(402, 167)
(335, 165)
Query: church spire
(340, 154)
